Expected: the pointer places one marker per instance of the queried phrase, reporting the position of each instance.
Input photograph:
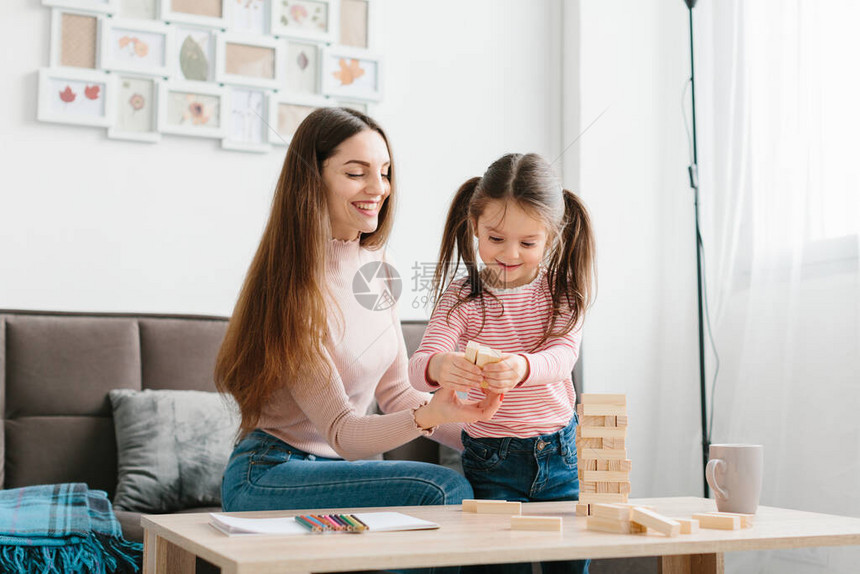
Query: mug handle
(712, 479)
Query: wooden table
(172, 541)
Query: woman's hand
(447, 407)
(452, 371)
(506, 374)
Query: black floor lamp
(694, 183)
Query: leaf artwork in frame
(136, 49)
(195, 54)
(75, 98)
(302, 75)
(351, 74)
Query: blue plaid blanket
(63, 528)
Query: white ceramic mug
(734, 472)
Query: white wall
(641, 335)
(88, 223)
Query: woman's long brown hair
(277, 332)
(570, 257)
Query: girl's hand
(447, 407)
(453, 371)
(506, 374)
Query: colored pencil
(357, 519)
(309, 525)
(333, 524)
(313, 520)
(353, 522)
(339, 519)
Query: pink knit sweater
(367, 354)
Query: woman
(304, 358)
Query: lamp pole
(694, 184)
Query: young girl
(528, 302)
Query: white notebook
(376, 522)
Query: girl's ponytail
(456, 241)
(571, 272)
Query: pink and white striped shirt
(544, 402)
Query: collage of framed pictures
(246, 72)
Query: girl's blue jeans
(265, 473)
(534, 469)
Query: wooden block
(587, 487)
(613, 487)
(602, 432)
(583, 509)
(603, 410)
(486, 356)
(470, 505)
(605, 476)
(615, 526)
(498, 507)
(584, 443)
(592, 498)
(658, 522)
(614, 444)
(619, 465)
(595, 421)
(601, 453)
(718, 521)
(536, 523)
(608, 421)
(611, 511)
(472, 351)
(589, 464)
(746, 519)
(602, 399)
(631, 505)
(688, 525)
(621, 421)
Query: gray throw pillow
(172, 448)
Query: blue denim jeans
(265, 473)
(532, 469)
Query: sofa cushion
(172, 447)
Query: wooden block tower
(604, 469)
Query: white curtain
(778, 98)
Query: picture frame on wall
(315, 20)
(74, 96)
(99, 6)
(136, 109)
(139, 9)
(242, 59)
(249, 16)
(211, 13)
(356, 17)
(194, 57)
(192, 109)
(75, 39)
(136, 46)
(247, 125)
(351, 74)
(302, 67)
(287, 111)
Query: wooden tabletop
(466, 538)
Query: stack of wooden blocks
(604, 469)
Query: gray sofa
(56, 370)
